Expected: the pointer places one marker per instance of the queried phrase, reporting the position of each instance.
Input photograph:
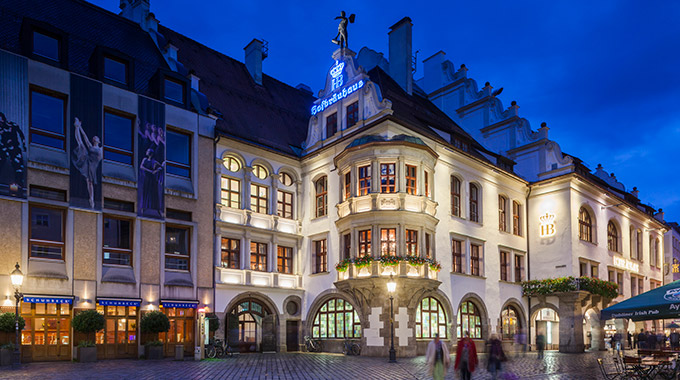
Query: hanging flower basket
(415, 261)
(343, 265)
(549, 286)
(363, 262)
(390, 261)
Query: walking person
(496, 356)
(466, 357)
(630, 339)
(521, 342)
(616, 342)
(540, 344)
(642, 339)
(674, 337)
(437, 358)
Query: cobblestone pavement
(303, 366)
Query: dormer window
(115, 70)
(174, 90)
(46, 46)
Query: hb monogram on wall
(547, 225)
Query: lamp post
(17, 279)
(391, 288)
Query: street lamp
(391, 288)
(17, 279)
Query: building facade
(97, 212)
(146, 171)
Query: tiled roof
(87, 26)
(274, 115)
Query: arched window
(430, 319)
(469, 319)
(260, 171)
(585, 231)
(502, 213)
(455, 196)
(286, 179)
(510, 322)
(321, 186)
(247, 315)
(612, 237)
(232, 163)
(474, 203)
(336, 319)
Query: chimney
(135, 10)
(254, 59)
(401, 53)
(433, 72)
(194, 80)
(659, 215)
(635, 192)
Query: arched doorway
(251, 327)
(547, 322)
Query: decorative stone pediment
(346, 83)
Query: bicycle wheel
(219, 352)
(210, 352)
(345, 351)
(356, 349)
(229, 352)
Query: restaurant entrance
(118, 340)
(182, 322)
(47, 334)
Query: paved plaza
(303, 366)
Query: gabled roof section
(87, 26)
(273, 115)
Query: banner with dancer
(13, 124)
(86, 144)
(151, 156)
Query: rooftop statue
(341, 38)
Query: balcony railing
(391, 201)
(377, 269)
(255, 278)
(264, 221)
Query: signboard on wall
(151, 158)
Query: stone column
(597, 336)
(571, 321)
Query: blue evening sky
(602, 74)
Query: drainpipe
(528, 269)
(216, 140)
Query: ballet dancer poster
(151, 156)
(85, 129)
(13, 124)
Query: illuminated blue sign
(336, 96)
(336, 73)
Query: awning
(179, 303)
(48, 299)
(659, 303)
(119, 301)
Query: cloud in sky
(602, 74)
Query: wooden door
(292, 338)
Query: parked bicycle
(218, 349)
(351, 348)
(312, 345)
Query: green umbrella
(659, 303)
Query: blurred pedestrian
(437, 358)
(675, 339)
(630, 339)
(540, 343)
(521, 342)
(496, 356)
(466, 357)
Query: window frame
(260, 256)
(455, 196)
(411, 242)
(284, 209)
(255, 196)
(458, 256)
(476, 260)
(476, 317)
(128, 251)
(387, 187)
(233, 255)
(420, 317)
(364, 246)
(228, 201)
(502, 213)
(331, 128)
(585, 221)
(352, 114)
(187, 256)
(117, 150)
(181, 83)
(43, 132)
(49, 243)
(170, 163)
(324, 311)
(122, 61)
(505, 265)
(613, 237)
(518, 268)
(364, 183)
(516, 218)
(321, 256)
(386, 244)
(227, 161)
(321, 196)
(411, 177)
(474, 203)
(284, 259)
(347, 185)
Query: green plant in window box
(343, 265)
(86, 343)
(363, 262)
(415, 261)
(390, 261)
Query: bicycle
(218, 349)
(351, 348)
(312, 345)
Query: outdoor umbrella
(673, 325)
(659, 303)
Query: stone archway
(463, 312)
(251, 323)
(545, 319)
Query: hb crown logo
(547, 225)
(336, 73)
